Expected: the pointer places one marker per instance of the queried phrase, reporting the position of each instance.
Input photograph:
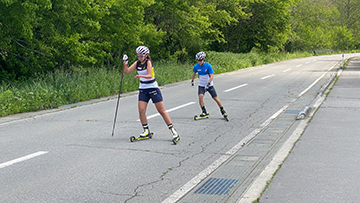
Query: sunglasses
(199, 60)
(140, 55)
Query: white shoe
(174, 133)
(145, 133)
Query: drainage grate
(292, 111)
(217, 186)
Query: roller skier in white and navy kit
(206, 76)
(148, 89)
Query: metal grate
(217, 186)
(292, 111)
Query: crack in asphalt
(162, 177)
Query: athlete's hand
(192, 83)
(125, 58)
(207, 86)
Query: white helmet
(200, 56)
(142, 50)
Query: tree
(342, 38)
(41, 36)
(261, 24)
(17, 21)
(311, 24)
(349, 17)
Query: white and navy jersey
(204, 72)
(146, 83)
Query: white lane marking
(317, 80)
(261, 181)
(24, 158)
(234, 88)
(298, 66)
(177, 195)
(289, 69)
(307, 62)
(170, 110)
(269, 76)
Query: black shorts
(211, 90)
(152, 93)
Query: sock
(221, 108)
(146, 128)
(203, 109)
(172, 129)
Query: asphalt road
(70, 156)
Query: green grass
(62, 87)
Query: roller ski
(142, 136)
(176, 139)
(201, 116)
(224, 114)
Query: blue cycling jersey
(204, 72)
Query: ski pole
(117, 105)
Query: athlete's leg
(217, 100)
(142, 112)
(201, 100)
(161, 109)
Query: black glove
(207, 86)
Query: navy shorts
(152, 93)
(211, 90)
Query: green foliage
(342, 38)
(184, 25)
(256, 24)
(40, 36)
(324, 25)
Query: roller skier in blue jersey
(206, 76)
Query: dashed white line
(24, 158)
(234, 88)
(170, 110)
(298, 66)
(317, 80)
(269, 76)
(289, 69)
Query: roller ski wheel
(202, 116)
(133, 138)
(224, 114)
(226, 117)
(176, 139)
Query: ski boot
(143, 136)
(175, 136)
(201, 116)
(224, 114)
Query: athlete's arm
(193, 76)
(130, 69)
(211, 78)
